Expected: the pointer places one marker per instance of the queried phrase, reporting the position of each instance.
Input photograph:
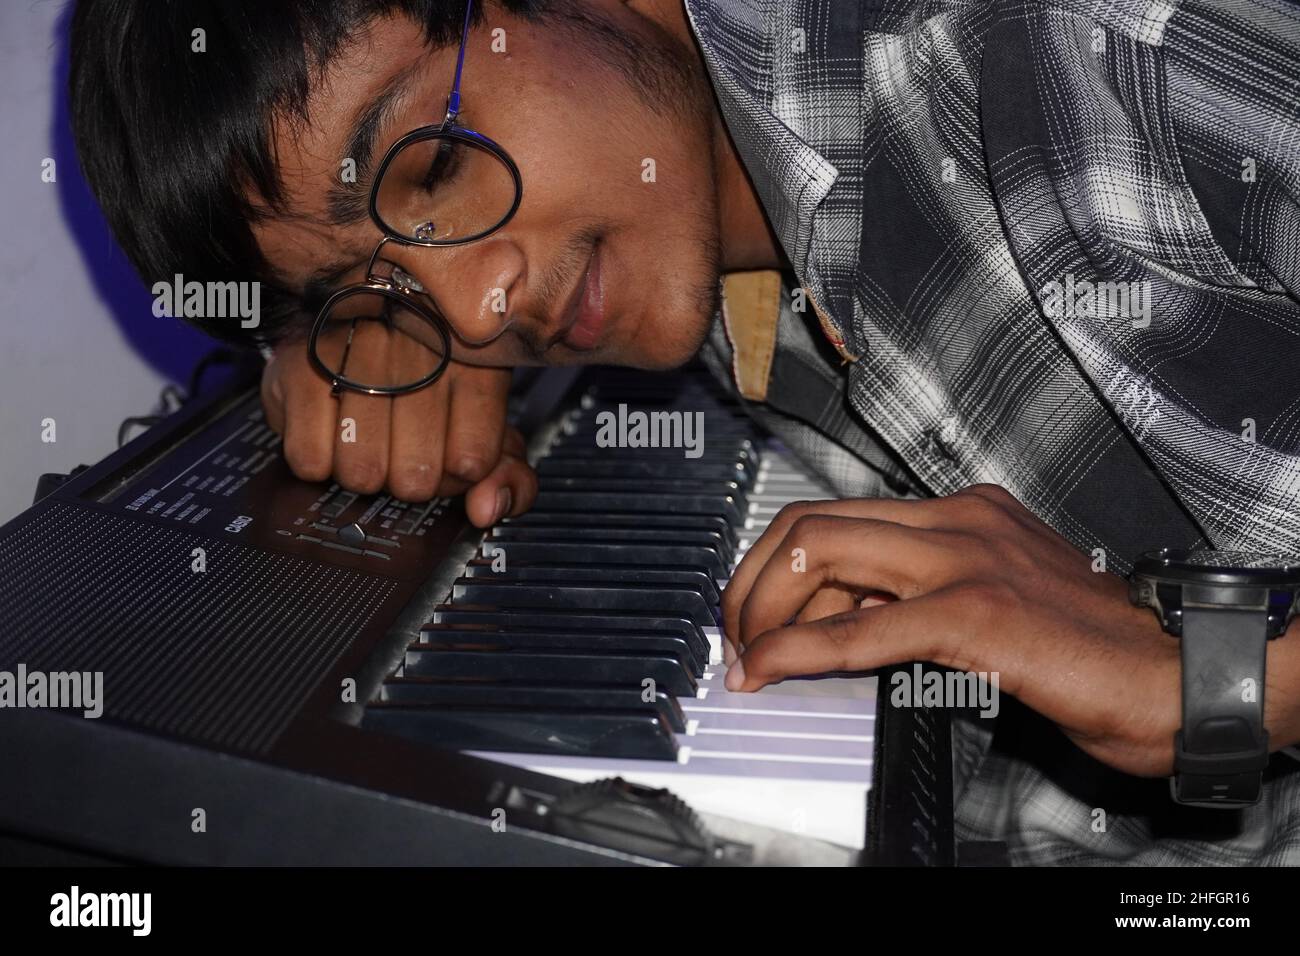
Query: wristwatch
(1225, 606)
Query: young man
(1021, 278)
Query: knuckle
(791, 513)
(995, 494)
(471, 467)
(414, 482)
(840, 629)
(809, 527)
(983, 503)
(987, 489)
(840, 632)
(988, 601)
(272, 387)
(363, 475)
(308, 462)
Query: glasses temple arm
(453, 101)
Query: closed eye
(446, 162)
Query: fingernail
(735, 675)
(503, 504)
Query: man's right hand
(448, 438)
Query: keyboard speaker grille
(226, 656)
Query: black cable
(171, 398)
(215, 357)
(145, 420)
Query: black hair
(176, 145)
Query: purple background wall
(78, 340)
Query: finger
(309, 415)
(917, 514)
(416, 437)
(513, 443)
(509, 489)
(891, 633)
(361, 440)
(523, 491)
(860, 554)
(273, 394)
(825, 603)
(476, 422)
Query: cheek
(664, 306)
(666, 236)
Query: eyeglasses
(439, 185)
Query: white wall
(78, 340)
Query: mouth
(584, 318)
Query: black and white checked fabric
(1061, 241)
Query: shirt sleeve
(1233, 82)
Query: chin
(665, 345)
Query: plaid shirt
(1053, 245)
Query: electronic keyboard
(294, 673)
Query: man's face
(585, 136)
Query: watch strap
(1222, 750)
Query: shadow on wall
(169, 346)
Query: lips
(587, 312)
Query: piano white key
(714, 636)
(802, 757)
(722, 733)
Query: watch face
(1231, 560)
(1221, 568)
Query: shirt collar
(750, 48)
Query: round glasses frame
(449, 129)
(393, 287)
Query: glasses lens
(444, 189)
(376, 341)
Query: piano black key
(741, 467)
(580, 436)
(661, 643)
(506, 665)
(582, 446)
(565, 520)
(651, 598)
(580, 532)
(544, 697)
(626, 734)
(561, 550)
(666, 503)
(600, 622)
(589, 431)
(645, 468)
(589, 572)
(584, 483)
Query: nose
(472, 284)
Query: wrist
(1282, 690)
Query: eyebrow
(346, 202)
